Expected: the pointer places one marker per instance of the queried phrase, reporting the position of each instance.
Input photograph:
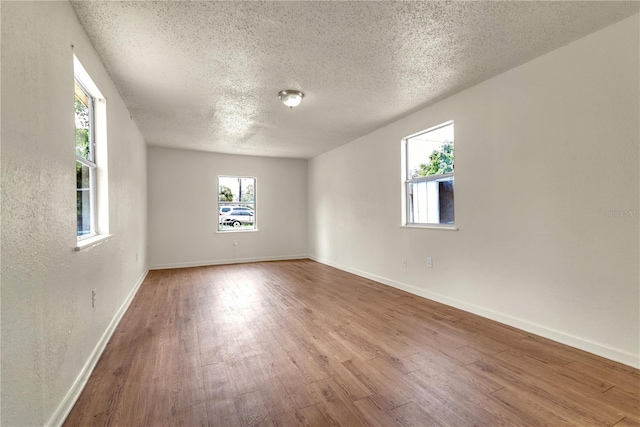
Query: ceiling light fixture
(291, 98)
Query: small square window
(236, 203)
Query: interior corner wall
(49, 329)
(183, 209)
(546, 199)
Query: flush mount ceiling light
(291, 98)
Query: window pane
(431, 202)
(83, 199)
(430, 153)
(83, 123)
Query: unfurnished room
(320, 213)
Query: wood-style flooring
(298, 343)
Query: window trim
(97, 162)
(434, 226)
(407, 181)
(90, 163)
(430, 177)
(254, 204)
(89, 243)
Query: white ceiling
(205, 75)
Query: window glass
(84, 197)
(83, 123)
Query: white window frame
(97, 162)
(90, 163)
(407, 220)
(254, 204)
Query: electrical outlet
(404, 263)
(429, 262)
(93, 298)
(136, 256)
(235, 243)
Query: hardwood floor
(299, 343)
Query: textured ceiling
(205, 75)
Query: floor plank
(298, 343)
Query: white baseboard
(607, 352)
(61, 413)
(225, 261)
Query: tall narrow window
(85, 161)
(90, 135)
(236, 203)
(429, 182)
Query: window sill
(432, 227)
(236, 231)
(89, 243)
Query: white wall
(543, 151)
(49, 328)
(183, 208)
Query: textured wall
(48, 325)
(546, 199)
(183, 208)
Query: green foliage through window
(82, 129)
(225, 194)
(248, 194)
(440, 162)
